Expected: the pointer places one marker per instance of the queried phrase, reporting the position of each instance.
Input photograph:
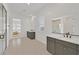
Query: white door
(3, 29)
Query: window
(16, 25)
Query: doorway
(3, 29)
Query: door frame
(5, 34)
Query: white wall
(58, 10)
(27, 25)
(40, 28)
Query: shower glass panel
(3, 29)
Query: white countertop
(73, 39)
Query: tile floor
(26, 46)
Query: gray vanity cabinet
(51, 45)
(31, 35)
(59, 47)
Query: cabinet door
(69, 51)
(59, 49)
(50, 45)
(78, 49)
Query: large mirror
(56, 26)
(65, 24)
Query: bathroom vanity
(31, 35)
(64, 37)
(62, 46)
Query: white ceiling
(23, 9)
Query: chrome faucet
(68, 35)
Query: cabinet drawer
(72, 45)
